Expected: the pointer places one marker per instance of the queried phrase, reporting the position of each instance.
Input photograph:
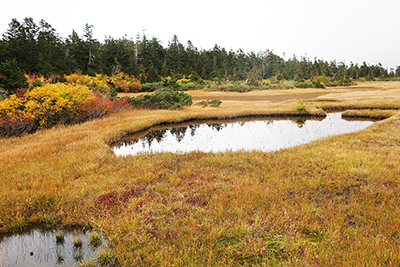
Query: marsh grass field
(331, 202)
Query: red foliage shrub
(17, 124)
(99, 107)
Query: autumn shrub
(51, 104)
(56, 103)
(170, 82)
(98, 107)
(121, 82)
(318, 84)
(99, 82)
(17, 124)
(35, 80)
(181, 83)
(184, 80)
(126, 83)
(11, 104)
(161, 100)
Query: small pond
(255, 134)
(39, 246)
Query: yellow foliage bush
(126, 83)
(166, 79)
(99, 82)
(184, 79)
(53, 103)
(122, 81)
(49, 104)
(9, 105)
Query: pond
(39, 246)
(253, 134)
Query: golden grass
(332, 202)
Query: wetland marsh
(330, 202)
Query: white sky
(345, 30)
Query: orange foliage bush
(98, 107)
(17, 124)
(126, 83)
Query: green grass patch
(209, 103)
(161, 100)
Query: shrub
(121, 82)
(162, 100)
(183, 80)
(34, 80)
(99, 82)
(126, 83)
(318, 84)
(190, 86)
(56, 103)
(10, 105)
(231, 87)
(49, 104)
(287, 84)
(151, 87)
(17, 124)
(98, 107)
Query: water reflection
(264, 135)
(40, 247)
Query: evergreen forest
(38, 49)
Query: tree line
(38, 48)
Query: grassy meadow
(332, 202)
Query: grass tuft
(59, 236)
(95, 239)
(77, 241)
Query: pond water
(39, 246)
(256, 134)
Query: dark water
(38, 247)
(264, 135)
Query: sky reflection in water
(37, 246)
(264, 135)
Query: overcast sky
(342, 30)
